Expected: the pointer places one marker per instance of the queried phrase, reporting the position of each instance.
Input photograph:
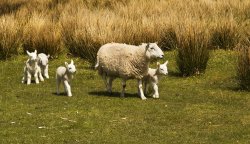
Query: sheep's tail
(97, 63)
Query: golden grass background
(80, 27)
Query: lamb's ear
(35, 51)
(66, 64)
(158, 64)
(72, 62)
(28, 52)
(166, 62)
(48, 56)
(147, 46)
(156, 43)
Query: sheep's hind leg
(104, 77)
(36, 78)
(110, 81)
(46, 72)
(123, 87)
(141, 90)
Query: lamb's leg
(58, 82)
(110, 84)
(145, 87)
(141, 90)
(123, 87)
(40, 75)
(68, 88)
(24, 78)
(36, 77)
(46, 72)
(156, 93)
(28, 78)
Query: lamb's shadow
(60, 94)
(114, 94)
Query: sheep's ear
(28, 52)
(72, 62)
(166, 62)
(48, 56)
(156, 42)
(35, 51)
(66, 64)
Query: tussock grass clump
(225, 35)
(168, 39)
(243, 68)
(10, 40)
(43, 35)
(192, 47)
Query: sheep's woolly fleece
(122, 60)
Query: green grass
(208, 108)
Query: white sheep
(32, 68)
(153, 76)
(127, 62)
(65, 75)
(43, 63)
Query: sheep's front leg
(24, 78)
(156, 93)
(28, 78)
(141, 90)
(123, 87)
(68, 88)
(36, 77)
(46, 72)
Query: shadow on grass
(60, 94)
(114, 94)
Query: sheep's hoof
(69, 95)
(144, 98)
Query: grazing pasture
(209, 108)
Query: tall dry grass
(80, 27)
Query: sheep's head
(70, 67)
(162, 68)
(32, 55)
(153, 51)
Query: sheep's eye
(152, 48)
(70, 68)
(161, 69)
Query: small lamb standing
(43, 63)
(153, 76)
(65, 75)
(127, 62)
(32, 68)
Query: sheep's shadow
(114, 94)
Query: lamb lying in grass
(31, 68)
(43, 63)
(152, 78)
(65, 75)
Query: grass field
(208, 108)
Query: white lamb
(152, 78)
(32, 68)
(65, 75)
(43, 63)
(127, 62)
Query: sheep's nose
(162, 56)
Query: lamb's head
(162, 68)
(44, 60)
(32, 55)
(153, 51)
(70, 67)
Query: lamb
(152, 78)
(31, 68)
(127, 62)
(43, 63)
(65, 75)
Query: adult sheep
(126, 62)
